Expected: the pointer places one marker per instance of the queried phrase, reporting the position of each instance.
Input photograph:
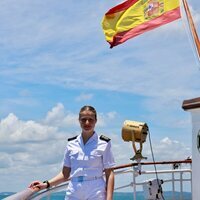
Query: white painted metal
(135, 184)
(195, 113)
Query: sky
(54, 59)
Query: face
(87, 121)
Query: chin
(88, 131)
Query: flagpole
(192, 27)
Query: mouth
(87, 127)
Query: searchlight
(135, 132)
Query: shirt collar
(92, 138)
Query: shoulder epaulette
(72, 138)
(103, 137)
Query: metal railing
(169, 176)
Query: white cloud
(166, 141)
(59, 117)
(5, 160)
(37, 143)
(171, 150)
(62, 67)
(164, 150)
(62, 118)
(84, 97)
(107, 119)
(14, 130)
(111, 115)
(45, 43)
(195, 14)
(56, 114)
(32, 146)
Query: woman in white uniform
(86, 157)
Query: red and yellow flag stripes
(134, 17)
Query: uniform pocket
(73, 155)
(95, 159)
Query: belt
(85, 178)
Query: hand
(38, 185)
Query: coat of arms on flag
(153, 8)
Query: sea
(117, 196)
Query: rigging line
(155, 168)
(186, 25)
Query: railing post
(173, 186)
(181, 185)
(134, 184)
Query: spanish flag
(134, 17)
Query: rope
(159, 185)
(189, 33)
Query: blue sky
(54, 59)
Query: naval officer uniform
(87, 163)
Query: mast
(192, 27)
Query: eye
(91, 120)
(84, 120)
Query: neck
(86, 136)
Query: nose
(87, 121)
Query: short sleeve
(66, 159)
(108, 158)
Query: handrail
(187, 161)
(48, 191)
(58, 188)
(122, 169)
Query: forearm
(57, 179)
(61, 177)
(109, 184)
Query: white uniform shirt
(90, 159)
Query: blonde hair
(88, 108)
